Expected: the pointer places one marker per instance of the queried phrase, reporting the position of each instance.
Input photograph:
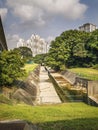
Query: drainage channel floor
(47, 94)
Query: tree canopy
(39, 58)
(10, 67)
(73, 48)
(25, 52)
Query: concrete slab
(47, 91)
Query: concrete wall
(69, 76)
(74, 79)
(29, 89)
(81, 82)
(92, 88)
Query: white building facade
(88, 27)
(35, 43)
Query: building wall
(35, 43)
(88, 27)
(92, 88)
(3, 44)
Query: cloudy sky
(47, 18)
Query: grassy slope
(70, 116)
(86, 73)
(30, 67)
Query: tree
(10, 67)
(57, 55)
(39, 58)
(25, 52)
(68, 50)
(92, 46)
(75, 43)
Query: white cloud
(3, 12)
(12, 40)
(37, 11)
(24, 11)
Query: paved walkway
(47, 91)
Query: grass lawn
(30, 67)
(86, 72)
(68, 116)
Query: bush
(10, 67)
(95, 66)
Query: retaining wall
(91, 87)
(69, 76)
(29, 89)
(74, 79)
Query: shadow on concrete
(17, 125)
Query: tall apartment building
(3, 44)
(35, 43)
(88, 27)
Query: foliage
(10, 67)
(65, 49)
(92, 46)
(39, 59)
(68, 116)
(29, 67)
(58, 55)
(73, 48)
(95, 66)
(25, 52)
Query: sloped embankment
(29, 89)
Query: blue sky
(22, 18)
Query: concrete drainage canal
(43, 87)
(66, 91)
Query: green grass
(88, 73)
(30, 67)
(68, 116)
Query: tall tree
(92, 46)
(25, 52)
(68, 50)
(57, 55)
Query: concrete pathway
(47, 92)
